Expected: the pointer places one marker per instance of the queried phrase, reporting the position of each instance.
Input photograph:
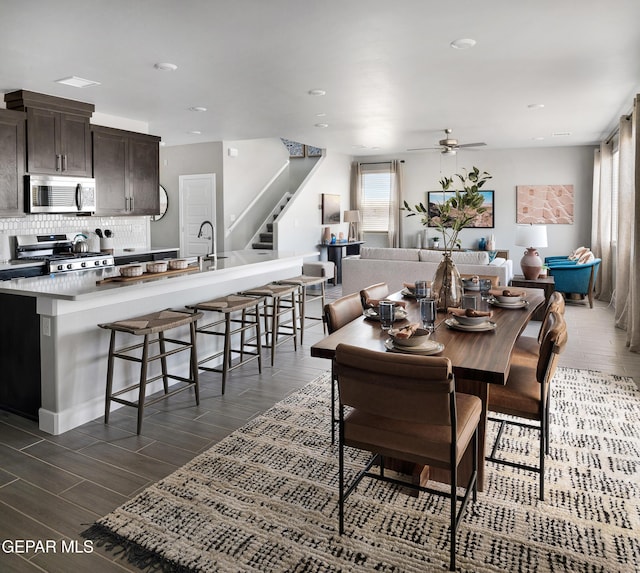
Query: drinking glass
(422, 290)
(428, 313)
(485, 287)
(469, 301)
(387, 313)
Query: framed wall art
(313, 151)
(295, 149)
(330, 209)
(484, 220)
(544, 204)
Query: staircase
(265, 235)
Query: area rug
(265, 499)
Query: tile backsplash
(128, 232)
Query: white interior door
(197, 204)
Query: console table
(335, 252)
(548, 284)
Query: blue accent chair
(571, 277)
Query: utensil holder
(106, 245)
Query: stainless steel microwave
(55, 194)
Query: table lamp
(352, 217)
(533, 237)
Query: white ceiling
(392, 80)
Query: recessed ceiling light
(166, 67)
(463, 44)
(561, 134)
(323, 125)
(317, 92)
(195, 132)
(538, 138)
(321, 114)
(535, 106)
(77, 82)
(197, 108)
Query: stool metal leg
(194, 362)
(226, 353)
(112, 345)
(143, 381)
(163, 362)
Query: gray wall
(547, 166)
(185, 160)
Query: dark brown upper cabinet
(12, 163)
(126, 169)
(58, 133)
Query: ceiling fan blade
(424, 148)
(478, 144)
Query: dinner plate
(427, 348)
(400, 314)
(520, 304)
(485, 326)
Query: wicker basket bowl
(131, 271)
(175, 264)
(157, 267)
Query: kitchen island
(50, 341)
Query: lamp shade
(531, 236)
(352, 216)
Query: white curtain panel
(601, 221)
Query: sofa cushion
(388, 254)
(498, 262)
(459, 257)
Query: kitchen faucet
(214, 248)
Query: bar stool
(147, 325)
(280, 301)
(248, 307)
(303, 297)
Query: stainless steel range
(56, 251)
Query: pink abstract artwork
(545, 204)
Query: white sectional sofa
(396, 266)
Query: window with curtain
(375, 200)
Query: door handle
(58, 162)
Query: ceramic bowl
(417, 338)
(508, 299)
(131, 271)
(175, 264)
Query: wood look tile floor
(54, 487)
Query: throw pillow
(586, 258)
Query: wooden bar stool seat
(304, 296)
(239, 310)
(280, 300)
(156, 323)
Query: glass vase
(447, 284)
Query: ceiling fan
(448, 145)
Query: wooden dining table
(479, 358)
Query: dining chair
(527, 348)
(377, 291)
(526, 395)
(405, 407)
(337, 314)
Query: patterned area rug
(265, 499)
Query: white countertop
(82, 285)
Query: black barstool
(146, 326)
(280, 300)
(235, 310)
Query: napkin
(404, 332)
(469, 312)
(410, 286)
(507, 292)
(373, 303)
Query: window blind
(376, 197)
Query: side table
(335, 252)
(548, 284)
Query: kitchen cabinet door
(110, 163)
(12, 163)
(58, 143)
(144, 178)
(126, 168)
